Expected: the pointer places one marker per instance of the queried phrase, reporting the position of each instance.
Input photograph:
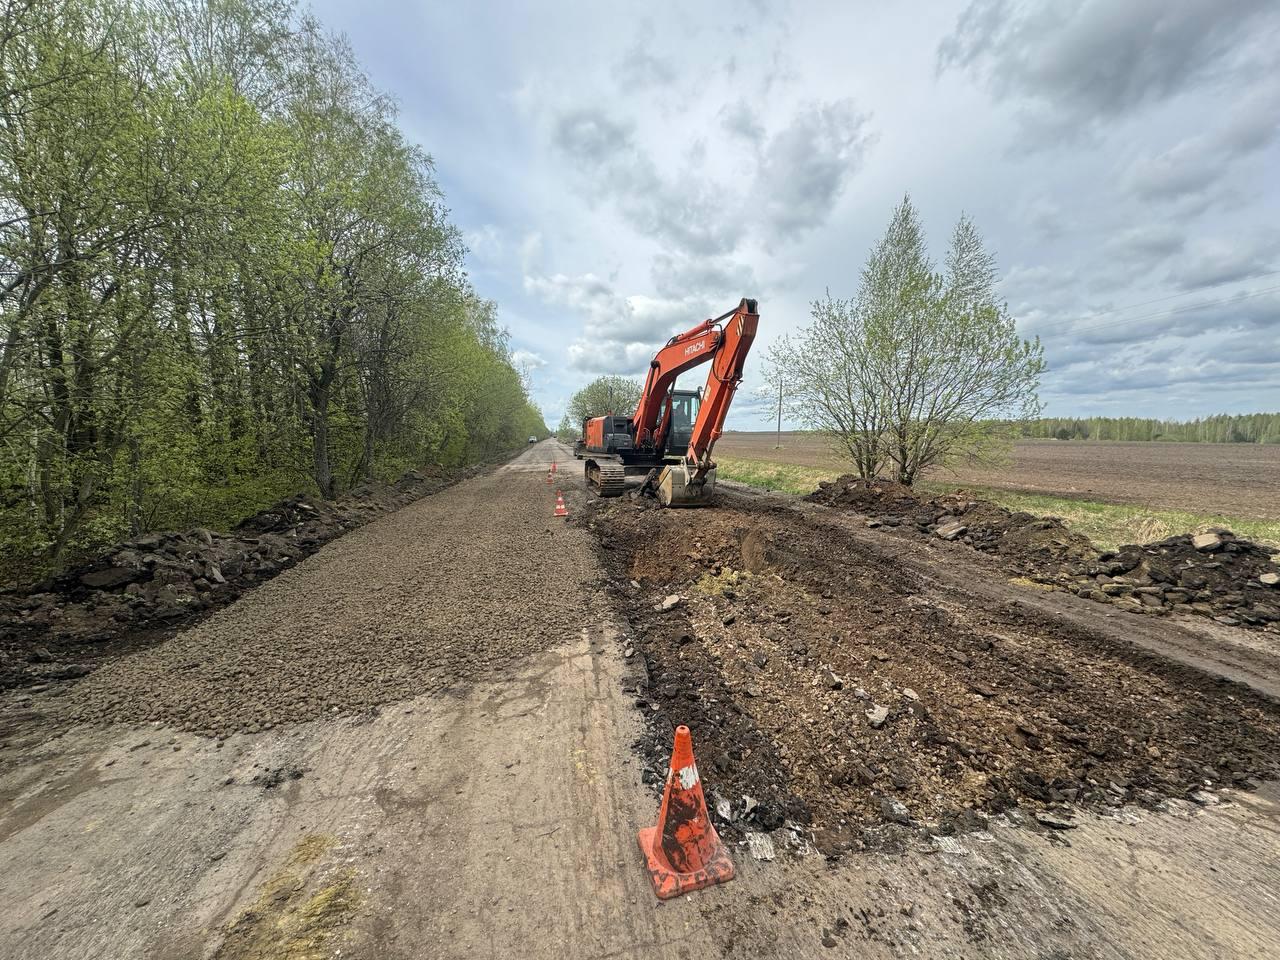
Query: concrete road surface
(492, 813)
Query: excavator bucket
(674, 491)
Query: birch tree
(922, 367)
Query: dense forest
(225, 276)
(1224, 428)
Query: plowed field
(1215, 478)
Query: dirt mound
(835, 685)
(879, 496)
(1216, 574)
(145, 588)
(1028, 544)
(1226, 577)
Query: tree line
(225, 276)
(1222, 428)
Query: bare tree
(921, 368)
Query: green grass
(768, 475)
(1108, 525)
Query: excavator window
(684, 408)
(684, 411)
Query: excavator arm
(722, 383)
(725, 341)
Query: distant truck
(533, 439)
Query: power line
(1189, 308)
(1186, 293)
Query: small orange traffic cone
(548, 476)
(553, 466)
(561, 510)
(683, 852)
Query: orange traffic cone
(553, 466)
(548, 476)
(683, 852)
(561, 510)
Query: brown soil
(791, 632)
(1223, 580)
(1231, 479)
(1028, 544)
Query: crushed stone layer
(144, 590)
(412, 603)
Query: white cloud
(527, 359)
(807, 165)
(622, 173)
(1084, 61)
(1213, 261)
(486, 242)
(620, 333)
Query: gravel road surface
(449, 772)
(452, 587)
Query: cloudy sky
(622, 171)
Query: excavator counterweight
(672, 432)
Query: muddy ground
(837, 684)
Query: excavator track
(606, 478)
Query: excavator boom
(722, 382)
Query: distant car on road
(533, 439)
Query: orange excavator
(671, 433)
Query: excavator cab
(671, 482)
(684, 411)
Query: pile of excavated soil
(1230, 579)
(142, 590)
(1215, 574)
(441, 592)
(829, 683)
(1026, 544)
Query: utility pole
(778, 444)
